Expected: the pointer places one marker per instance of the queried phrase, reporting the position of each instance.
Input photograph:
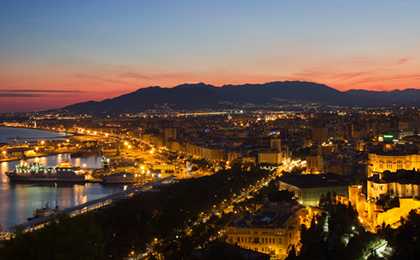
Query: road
(204, 218)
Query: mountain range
(205, 96)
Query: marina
(19, 201)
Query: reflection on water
(11, 134)
(89, 162)
(4, 167)
(18, 201)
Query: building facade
(271, 234)
(270, 157)
(378, 163)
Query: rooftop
(220, 250)
(269, 217)
(315, 180)
(395, 150)
(401, 176)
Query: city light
(248, 179)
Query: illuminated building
(163, 169)
(391, 161)
(309, 188)
(360, 146)
(175, 146)
(402, 184)
(208, 153)
(273, 155)
(222, 250)
(169, 134)
(272, 230)
(275, 144)
(270, 157)
(390, 197)
(314, 163)
(319, 134)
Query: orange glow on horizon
(49, 87)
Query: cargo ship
(35, 172)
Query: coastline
(15, 159)
(38, 129)
(31, 139)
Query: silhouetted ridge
(203, 96)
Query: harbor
(43, 174)
(19, 200)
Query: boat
(84, 153)
(106, 162)
(120, 178)
(35, 172)
(44, 212)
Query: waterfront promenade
(89, 206)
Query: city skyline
(223, 129)
(59, 53)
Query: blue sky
(106, 47)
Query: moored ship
(44, 212)
(120, 178)
(35, 172)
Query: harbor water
(18, 201)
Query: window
(399, 165)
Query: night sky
(57, 52)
